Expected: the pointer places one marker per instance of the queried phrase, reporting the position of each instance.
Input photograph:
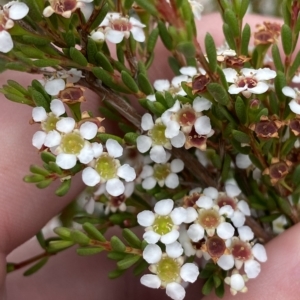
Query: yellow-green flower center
(162, 225)
(107, 167)
(158, 134)
(168, 270)
(72, 143)
(50, 123)
(161, 171)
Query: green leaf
(88, 251)
(174, 64)
(128, 261)
(38, 170)
(246, 35)
(55, 168)
(241, 137)
(241, 110)
(243, 8)
(18, 87)
(36, 267)
(63, 188)
(35, 40)
(19, 99)
(39, 100)
(116, 255)
(100, 17)
(93, 232)
(217, 281)
(78, 57)
(295, 65)
(69, 38)
(130, 138)
(208, 286)
(270, 218)
(187, 49)
(63, 232)
(228, 35)
(128, 4)
(255, 161)
(34, 178)
(35, 9)
(129, 82)
(263, 112)
(232, 22)
(141, 266)
(218, 92)
(152, 39)
(91, 50)
(165, 35)
(103, 61)
(288, 146)
(220, 290)
(79, 237)
(115, 274)
(41, 239)
(277, 58)
(117, 244)
(211, 52)
(47, 157)
(55, 246)
(105, 136)
(296, 176)
(287, 39)
(131, 238)
(147, 6)
(145, 84)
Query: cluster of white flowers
(9, 13)
(211, 224)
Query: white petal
(245, 233)
(238, 219)
(86, 154)
(237, 282)
(57, 107)
(259, 252)
(66, 161)
(65, 125)
(164, 207)
(129, 189)
(211, 192)
(88, 130)
(176, 81)
(201, 103)
(195, 232)
(6, 42)
(204, 202)
(147, 122)
(158, 154)
(172, 181)
(289, 92)
(114, 36)
(234, 89)
(226, 210)
(265, 74)
(225, 231)
(179, 140)
(244, 207)
(189, 71)
(243, 161)
(151, 237)
(260, 88)
(226, 262)
(147, 171)
(53, 139)
(202, 125)
(39, 114)
(152, 254)
(230, 74)
(248, 72)
(90, 206)
(143, 143)
(98, 149)
(90, 176)
(151, 281)
(178, 215)
(98, 36)
(175, 291)
(174, 250)
(146, 218)
(294, 107)
(18, 11)
(177, 165)
(191, 215)
(138, 34)
(136, 22)
(38, 139)
(172, 129)
(151, 98)
(232, 190)
(161, 85)
(113, 148)
(170, 237)
(252, 268)
(149, 183)
(53, 87)
(126, 172)
(189, 272)
(115, 187)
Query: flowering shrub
(206, 162)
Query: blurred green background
(264, 7)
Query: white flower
(293, 93)
(72, 76)
(163, 224)
(163, 174)
(54, 85)
(106, 168)
(243, 161)
(156, 139)
(237, 283)
(115, 27)
(249, 80)
(64, 7)
(170, 280)
(197, 8)
(186, 242)
(13, 10)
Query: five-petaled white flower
(107, 169)
(64, 8)
(249, 80)
(162, 225)
(293, 93)
(237, 282)
(115, 28)
(11, 11)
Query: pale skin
(24, 210)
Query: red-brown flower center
(241, 250)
